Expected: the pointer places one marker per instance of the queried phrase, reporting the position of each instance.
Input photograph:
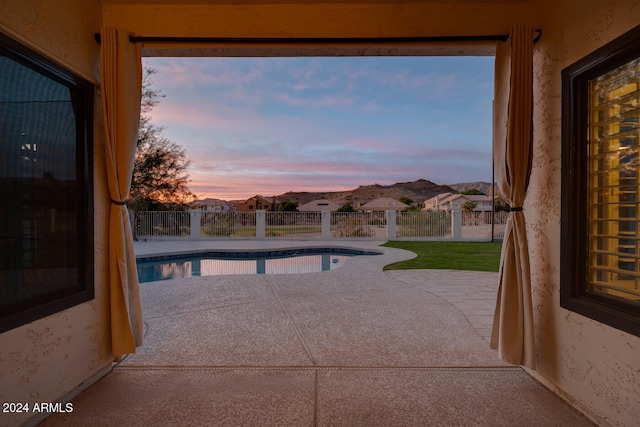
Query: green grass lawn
(276, 230)
(474, 256)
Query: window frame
(83, 90)
(574, 295)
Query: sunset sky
(271, 125)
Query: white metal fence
(295, 225)
(233, 224)
(480, 224)
(163, 224)
(423, 224)
(358, 224)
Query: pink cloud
(210, 116)
(243, 143)
(191, 73)
(279, 176)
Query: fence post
(391, 225)
(325, 221)
(261, 227)
(132, 223)
(195, 219)
(456, 225)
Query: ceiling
(247, 2)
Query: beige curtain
(121, 83)
(513, 334)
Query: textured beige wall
(257, 18)
(330, 19)
(47, 359)
(62, 30)
(594, 365)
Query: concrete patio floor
(354, 346)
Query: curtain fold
(513, 331)
(121, 85)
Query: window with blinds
(600, 226)
(613, 232)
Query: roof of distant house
(448, 198)
(210, 202)
(318, 205)
(383, 203)
(479, 198)
(444, 198)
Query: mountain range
(418, 191)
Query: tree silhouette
(346, 208)
(469, 206)
(160, 179)
(472, 192)
(287, 206)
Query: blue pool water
(305, 260)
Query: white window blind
(614, 185)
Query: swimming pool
(212, 263)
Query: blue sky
(271, 125)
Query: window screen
(46, 261)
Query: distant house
(454, 202)
(212, 205)
(318, 205)
(483, 202)
(255, 203)
(439, 202)
(383, 204)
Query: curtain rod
(317, 40)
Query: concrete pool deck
(355, 346)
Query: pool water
(213, 264)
